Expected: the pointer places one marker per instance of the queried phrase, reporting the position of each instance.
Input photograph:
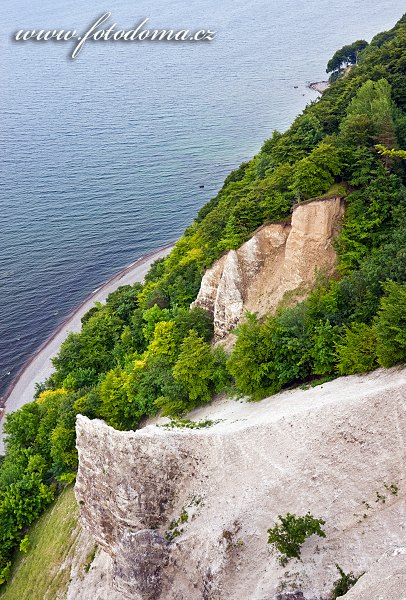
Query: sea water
(102, 158)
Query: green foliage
(117, 397)
(322, 350)
(165, 341)
(90, 350)
(175, 529)
(314, 174)
(369, 218)
(390, 152)
(248, 358)
(356, 350)
(390, 325)
(195, 354)
(370, 116)
(195, 368)
(5, 573)
(347, 55)
(123, 301)
(25, 544)
(284, 149)
(269, 355)
(188, 424)
(344, 583)
(289, 535)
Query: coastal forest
(145, 351)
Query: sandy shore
(39, 366)
(319, 86)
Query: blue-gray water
(101, 158)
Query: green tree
(115, 395)
(347, 55)
(372, 109)
(356, 350)
(21, 426)
(390, 325)
(194, 368)
(63, 451)
(315, 174)
(165, 340)
(151, 317)
(322, 351)
(250, 354)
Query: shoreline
(38, 366)
(318, 86)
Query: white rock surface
(329, 450)
(386, 580)
(279, 263)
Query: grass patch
(317, 381)
(337, 189)
(188, 424)
(42, 573)
(89, 559)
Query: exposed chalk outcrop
(279, 260)
(386, 580)
(333, 450)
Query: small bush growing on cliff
(175, 529)
(344, 584)
(292, 531)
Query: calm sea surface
(101, 158)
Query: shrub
(25, 544)
(322, 351)
(248, 357)
(292, 531)
(344, 584)
(315, 173)
(268, 356)
(390, 325)
(5, 573)
(356, 352)
(194, 368)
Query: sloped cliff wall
(277, 260)
(332, 450)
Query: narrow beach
(39, 366)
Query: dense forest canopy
(146, 351)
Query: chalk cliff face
(334, 450)
(279, 260)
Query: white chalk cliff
(333, 450)
(279, 262)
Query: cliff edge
(183, 514)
